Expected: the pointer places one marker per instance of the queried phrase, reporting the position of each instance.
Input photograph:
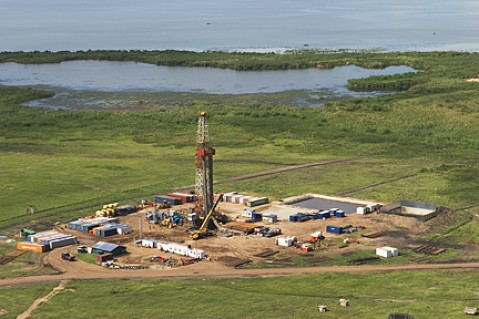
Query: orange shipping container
(36, 248)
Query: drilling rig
(204, 168)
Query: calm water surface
(132, 76)
(400, 25)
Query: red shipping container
(104, 257)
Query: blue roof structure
(101, 245)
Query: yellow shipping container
(36, 248)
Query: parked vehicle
(273, 232)
(68, 256)
(82, 249)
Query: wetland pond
(107, 84)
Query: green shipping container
(257, 201)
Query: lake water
(107, 84)
(110, 76)
(257, 25)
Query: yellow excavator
(203, 231)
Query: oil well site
(230, 229)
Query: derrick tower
(204, 167)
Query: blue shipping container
(105, 232)
(326, 214)
(339, 213)
(170, 200)
(334, 229)
(256, 216)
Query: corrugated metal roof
(105, 246)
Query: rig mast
(204, 167)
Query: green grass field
(67, 163)
(425, 294)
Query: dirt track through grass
(273, 172)
(38, 301)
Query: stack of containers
(227, 196)
(87, 224)
(44, 241)
(243, 200)
(325, 214)
(235, 198)
(298, 217)
(123, 229)
(184, 197)
(75, 225)
(107, 230)
(170, 200)
(100, 226)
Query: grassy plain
(15, 300)
(66, 163)
(425, 294)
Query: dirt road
(207, 269)
(38, 301)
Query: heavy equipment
(173, 221)
(163, 205)
(203, 231)
(107, 210)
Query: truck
(68, 256)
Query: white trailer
(181, 250)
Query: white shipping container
(247, 213)
(270, 218)
(244, 199)
(148, 243)
(286, 241)
(387, 252)
(235, 198)
(226, 195)
(124, 230)
(361, 210)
